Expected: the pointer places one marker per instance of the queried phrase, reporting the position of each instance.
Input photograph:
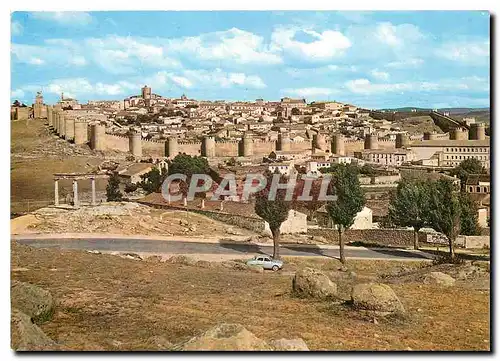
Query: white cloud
(405, 63)
(78, 60)
(66, 18)
(220, 78)
(74, 87)
(465, 51)
(380, 75)
(397, 35)
(17, 93)
(16, 28)
(233, 45)
(35, 61)
(310, 92)
(366, 87)
(327, 44)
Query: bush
(130, 187)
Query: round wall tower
(97, 137)
(69, 128)
(283, 142)
(80, 131)
(208, 147)
(338, 144)
(134, 142)
(371, 141)
(62, 125)
(402, 140)
(477, 131)
(459, 134)
(246, 145)
(430, 136)
(171, 147)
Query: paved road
(222, 248)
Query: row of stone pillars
(76, 202)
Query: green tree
(273, 211)
(152, 180)
(469, 225)
(445, 211)
(409, 206)
(350, 200)
(113, 193)
(467, 167)
(188, 165)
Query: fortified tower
(80, 131)
(371, 141)
(459, 134)
(171, 147)
(97, 137)
(62, 124)
(134, 142)
(208, 147)
(431, 136)
(146, 92)
(246, 145)
(477, 131)
(338, 144)
(283, 142)
(69, 128)
(402, 140)
(38, 106)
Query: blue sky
(372, 59)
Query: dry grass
(32, 171)
(109, 303)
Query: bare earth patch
(104, 302)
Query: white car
(266, 262)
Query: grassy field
(32, 181)
(105, 302)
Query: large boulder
(296, 344)
(439, 278)
(376, 297)
(26, 336)
(32, 300)
(183, 260)
(226, 337)
(309, 282)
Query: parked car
(266, 262)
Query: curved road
(221, 248)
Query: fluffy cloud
(397, 35)
(220, 78)
(310, 92)
(326, 45)
(233, 45)
(380, 75)
(66, 18)
(470, 52)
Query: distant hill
(450, 110)
(481, 114)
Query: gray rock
(439, 278)
(376, 297)
(181, 259)
(296, 344)
(32, 300)
(309, 282)
(256, 269)
(225, 337)
(26, 336)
